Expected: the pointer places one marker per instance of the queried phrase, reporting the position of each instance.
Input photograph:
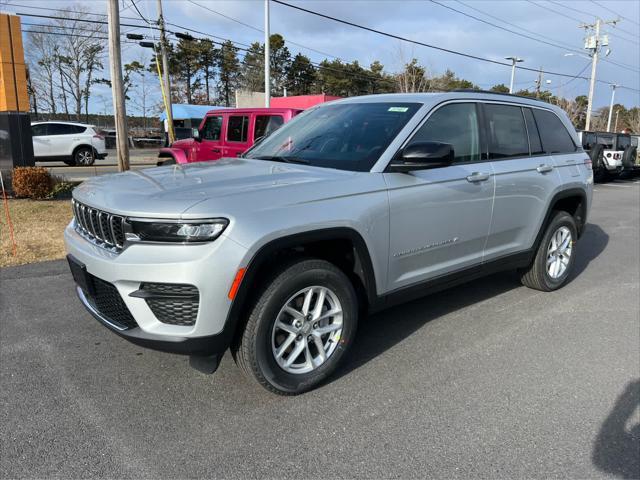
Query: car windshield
(345, 136)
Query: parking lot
(139, 158)
(489, 379)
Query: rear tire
(84, 156)
(555, 256)
(300, 327)
(71, 162)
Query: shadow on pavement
(592, 243)
(617, 448)
(381, 331)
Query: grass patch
(38, 227)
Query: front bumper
(202, 346)
(210, 267)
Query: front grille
(172, 303)
(106, 299)
(101, 227)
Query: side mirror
(422, 156)
(195, 133)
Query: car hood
(170, 191)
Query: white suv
(72, 143)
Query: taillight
(588, 163)
(99, 137)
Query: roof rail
(472, 90)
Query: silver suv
(347, 209)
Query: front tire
(300, 327)
(84, 156)
(555, 257)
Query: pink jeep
(226, 133)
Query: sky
(553, 21)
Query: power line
(423, 44)
(618, 64)
(577, 20)
(500, 27)
(61, 10)
(569, 47)
(259, 29)
(614, 12)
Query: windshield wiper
(277, 158)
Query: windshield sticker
(398, 109)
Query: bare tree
(42, 67)
(64, 57)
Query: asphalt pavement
(139, 158)
(487, 380)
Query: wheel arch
(573, 201)
(84, 145)
(329, 244)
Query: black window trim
(226, 136)
(204, 122)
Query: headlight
(178, 231)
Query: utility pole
(615, 128)
(117, 90)
(613, 95)
(539, 83)
(267, 57)
(165, 74)
(514, 60)
(594, 43)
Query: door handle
(216, 150)
(478, 177)
(544, 168)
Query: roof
(431, 97)
(185, 110)
(260, 110)
(63, 122)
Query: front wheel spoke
(320, 347)
(284, 345)
(332, 327)
(307, 355)
(550, 260)
(295, 353)
(317, 310)
(307, 302)
(328, 314)
(286, 327)
(294, 313)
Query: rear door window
(39, 130)
(212, 128)
(60, 129)
(506, 131)
(457, 125)
(535, 145)
(238, 128)
(265, 124)
(554, 135)
(623, 142)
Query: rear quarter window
(554, 135)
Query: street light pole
(117, 88)
(514, 60)
(165, 74)
(613, 96)
(267, 57)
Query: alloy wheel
(559, 252)
(307, 330)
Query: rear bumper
(201, 346)
(100, 156)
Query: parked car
(226, 133)
(351, 207)
(611, 153)
(70, 142)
